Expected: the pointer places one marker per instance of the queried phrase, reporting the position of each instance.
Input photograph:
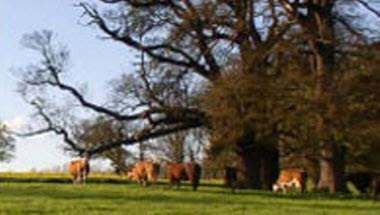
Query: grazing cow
(230, 177)
(144, 172)
(290, 178)
(177, 172)
(361, 180)
(79, 169)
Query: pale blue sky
(93, 61)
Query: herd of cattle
(145, 172)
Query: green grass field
(106, 198)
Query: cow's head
(276, 188)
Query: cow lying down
(290, 179)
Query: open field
(54, 177)
(106, 198)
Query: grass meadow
(53, 197)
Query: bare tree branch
(189, 61)
(51, 127)
(369, 7)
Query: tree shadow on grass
(312, 196)
(299, 200)
(294, 195)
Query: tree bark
(340, 167)
(250, 167)
(332, 165)
(270, 166)
(320, 27)
(259, 164)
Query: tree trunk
(323, 54)
(141, 151)
(270, 166)
(250, 168)
(340, 167)
(332, 165)
(259, 164)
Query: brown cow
(79, 169)
(290, 178)
(177, 172)
(144, 172)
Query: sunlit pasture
(128, 198)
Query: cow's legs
(151, 179)
(284, 188)
(75, 179)
(298, 185)
(81, 178)
(142, 180)
(84, 178)
(303, 187)
(171, 182)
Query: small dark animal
(177, 172)
(230, 177)
(361, 180)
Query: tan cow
(79, 169)
(144, 172)
(290, 178)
